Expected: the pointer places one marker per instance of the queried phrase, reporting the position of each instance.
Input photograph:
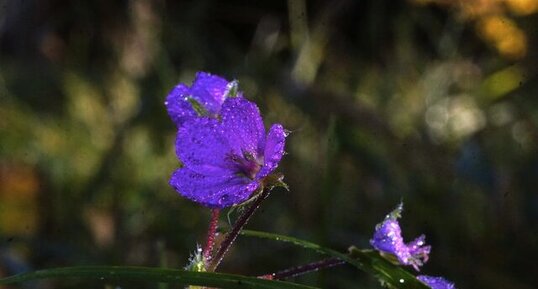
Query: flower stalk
(304, 269)
(238, 226)
(211, 234)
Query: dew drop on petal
(224, 199)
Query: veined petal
(179, 109)
(202, 147)
(436, 282)
(218, 191)
(274, 149)
(243, 124)
(209, 90)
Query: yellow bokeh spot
(473, 9)
(522, 7)
(504, 35)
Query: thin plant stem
(211, 234)
(304, 269)
(238, 226)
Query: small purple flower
(226, 159)
(205, 97)
(388, 239)
(436, 282)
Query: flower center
(248, 165)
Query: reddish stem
(211, 233)
(303, 269)
(232, 235)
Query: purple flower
(203, 98)
(388, 239)
(225, 160)
(436, 282)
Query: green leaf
(115, 273)
(368, 261)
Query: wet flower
(388, 239)
(436, 282)
(225, 160)
(204, 98)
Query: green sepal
(275, 180)
(197, 106)
(232, 89)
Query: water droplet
(224, 199)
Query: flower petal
(218, 191)
(388, 238)
(202, 147)
(209, 90)
(419, 250)
(274, 149)
(243, 124)
(179, 109)
(436, 282)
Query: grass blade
(368, 261)
(118, 273)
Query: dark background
(432, 102)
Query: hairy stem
(211, 233)
(239, 224)
(304, 269)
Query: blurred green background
(429, 101)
